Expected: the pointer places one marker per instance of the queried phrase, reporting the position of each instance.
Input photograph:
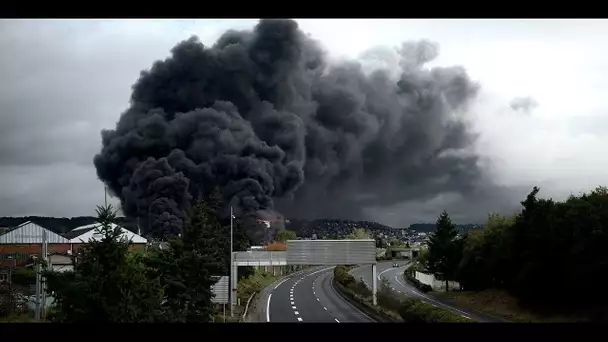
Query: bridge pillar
(374, 286)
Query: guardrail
(368, 310)
(247, 306)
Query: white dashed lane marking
(314, 283)
(299, 319)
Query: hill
(430, 227)
(323, 228)
(333, 228)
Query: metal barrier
(247, 306)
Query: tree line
(111, 283)
(551, 254)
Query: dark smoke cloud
(262, 115)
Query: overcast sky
(540, 114)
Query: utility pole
(39, 286)
(105, 195)
(37, 309)
(45, 258)
(232, 273)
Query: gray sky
(540, 115)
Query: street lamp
(232, 273)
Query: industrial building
(18, 244)
(83, 234)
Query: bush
(343, 277)
(387, 299)
(410, 277)
(24, 276)
(417, 311)
(254, 283)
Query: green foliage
(548, 249)
(444, 249)
(186, 268)
(24, 276)
(345, 279)
(417, 311)
(389, 304)
(359, 234)
(106, 285)
(253, 283)
(285, 235)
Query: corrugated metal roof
(76, 233)
(29, 232)
(85, 233)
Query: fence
(438, 285)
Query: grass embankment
(389, 305)
(19, 318)
(500, 304)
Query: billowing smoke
(264, 117)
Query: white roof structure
(29, 232)
(94, 234)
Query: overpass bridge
(259, 258)
(308, 253)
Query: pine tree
(107, 285)
(187, 266)
(443, 256)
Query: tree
(359, 234)
(443, 255)
(187, 267)
(106, 285)
(285, 235)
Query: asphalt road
(394, 275)
(308, 296)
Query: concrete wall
(437, 285)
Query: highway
(394, 275)
(308, 296)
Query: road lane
(307, 301)
(280, 301)
(394, 275)
(309, 297)
(332, 302)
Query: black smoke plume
(263, 116)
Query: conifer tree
(106, 285)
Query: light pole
(232, 273)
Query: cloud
(63, 81)
(523, 104)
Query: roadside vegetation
(111, 283)
(543, 264)
(390, 307)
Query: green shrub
(24, 276)
(417, 311)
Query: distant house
(5, 274)
(83, 234)
(60, 263)
(18, 244)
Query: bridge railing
(261, 256)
